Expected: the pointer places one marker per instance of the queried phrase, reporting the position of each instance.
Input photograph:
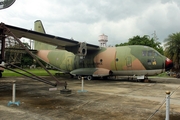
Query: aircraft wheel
(79, 77)
(89, 77)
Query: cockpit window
(156, 54)
(149, 53)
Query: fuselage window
(116, 59)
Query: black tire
(79, 77)
(89, 77)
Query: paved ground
(104, 100)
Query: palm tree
(172, 49)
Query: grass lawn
(42, 72)
(37, 71)
(163, 75)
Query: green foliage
(26, 59)
(162, 75)
(145, 40)
(172, 48)
(41, 61)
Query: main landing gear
(89, 77)
(139, 79)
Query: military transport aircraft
(6, 3)
(83, 59)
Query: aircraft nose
(168, 64)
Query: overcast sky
(85, 20)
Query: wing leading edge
(60, 42)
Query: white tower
(103, 39)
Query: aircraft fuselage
(125, 60)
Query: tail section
(38, 26)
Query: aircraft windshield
(149, 53)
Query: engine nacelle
(82, 51)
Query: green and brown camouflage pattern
(125, 60)
(91, 60)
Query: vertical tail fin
(38, 27)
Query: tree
(172, 48)
(145, 40)
(26, 60)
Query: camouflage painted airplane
(83, 59)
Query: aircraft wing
(60, 42)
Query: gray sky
(85, 20)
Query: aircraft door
(123, 60)
(128, 62)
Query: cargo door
(129, 62)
